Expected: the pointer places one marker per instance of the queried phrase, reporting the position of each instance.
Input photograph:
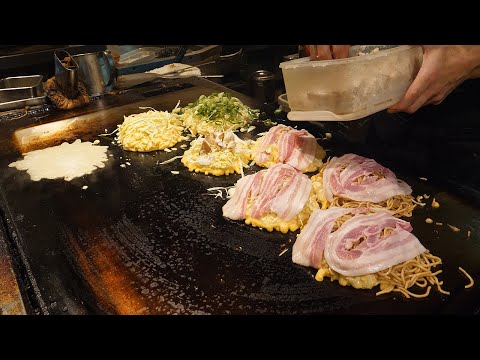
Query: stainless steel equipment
(18, 104)
(20, 87)
(66, 74)
(20, 91)
(96, 71)
(134, 59)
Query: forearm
(475, 74)
(473, 53)
(444, 67)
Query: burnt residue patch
(11, 302)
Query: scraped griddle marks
(230, 271)
(141, 258)
(167, 255)
(99, 270)
(124, 273)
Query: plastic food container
(373, 78)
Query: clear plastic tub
(373, 78)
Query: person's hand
(444, 67)
(327, 52)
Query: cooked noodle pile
(398, 205)
(418, 272)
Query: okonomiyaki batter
(66, 161)
(217, 154)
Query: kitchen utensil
(181, 54)
(19, 88)
(66, 74)
(96, 71)
(130, 80)
(179, 71)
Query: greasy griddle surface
(141, 240)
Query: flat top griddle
(141, 240)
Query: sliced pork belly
(359, 247)
(271, 137)
(280, 189)
(310, 243)
(235, 207)
(297, 148)
(341, 178)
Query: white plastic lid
(331, 116)
(325, 116)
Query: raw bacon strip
(287, 142)
(359, 247)
(304, 153)
(292, 198)
(295, 147)
(310, 243)
(270, 138)
(280, 189)
(341, 178)
(272, 182)
(235, 207)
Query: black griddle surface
(141, 240)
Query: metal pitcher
(96, 71)
(66, 74)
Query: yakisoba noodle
(418, 272)
(412, 278)
(399, 205)
(469, 277)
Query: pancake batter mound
(66, 161)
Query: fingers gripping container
(371, 79)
